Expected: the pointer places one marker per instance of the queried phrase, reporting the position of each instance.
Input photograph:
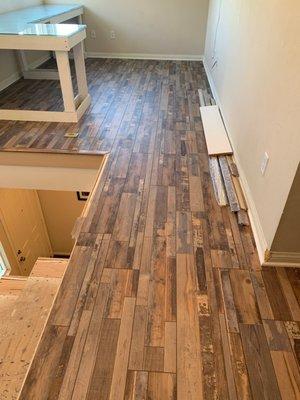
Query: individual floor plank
(217, 181)
(289, 294)
(100, 383)
(189, 366)
(89, 353)
(287, 373)
(122, 354)
(259, 363)
(45, 366)
(276, 296)
(161, 386)
(138, 338)
(136, 385)
(244, 297)
(262, 296)
(153, 358)
(239, 365)
(230, 189)
(170, 347)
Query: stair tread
(23, 319)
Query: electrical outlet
(93, 34)
(264, 163)
(112, 35)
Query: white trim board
(18, 74)
(142, 56)
(260, 240)
(214, 131)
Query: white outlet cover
(264, 163)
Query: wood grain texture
(164, 296)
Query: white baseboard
(39, 61)
(10, 80)
(258, 233)
(18, 75)
(141, 56)
(283, 258)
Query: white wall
(9, 67)
(61, 210)
(257, 82)
(159, 27)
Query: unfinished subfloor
(164, 297)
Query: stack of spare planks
(223, 169)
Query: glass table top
(29, 21)
(65, 30)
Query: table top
(29, 21)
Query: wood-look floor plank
(89, 353)
(122, 354)
(136, 385)
(244, 297)
(189, 365)
(170, 347)
(258, 358)
(161, 386)
(100, 383)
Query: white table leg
(80, 70)
(22, 60)
(80, 22)
(64, 71)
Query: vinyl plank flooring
(164, 296)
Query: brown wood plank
(161, 386)
(230, 190)
(100, 383)
(217, 181)
(89, 353)
(287, 373)
(153, 359)
(244, 297)
(276, 296)
(138, 338)
(189, 367)
(170, 347)
(136, 385)
(122, 354)
(259, 363)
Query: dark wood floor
(164, 297)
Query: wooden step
(10, 290)
(12, 287)
(23, 322)
(49, 267)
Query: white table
(44, 14)
(38, 28)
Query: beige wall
(287, 237)
(256, 79)
(9, 67)
(167, 27)
(60, 209)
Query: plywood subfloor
(164, 297)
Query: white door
(4, 264)
(25, 227)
